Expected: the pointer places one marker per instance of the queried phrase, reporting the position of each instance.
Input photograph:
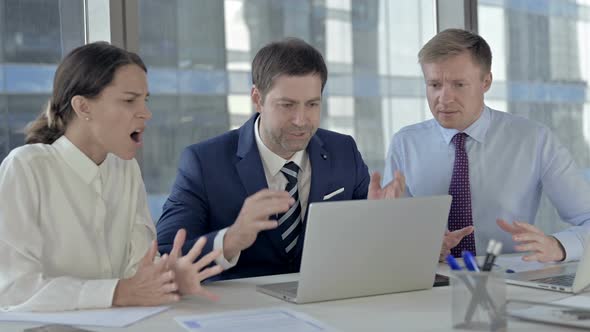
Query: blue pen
(453, 263)
(470, 261)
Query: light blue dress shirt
(511, 161)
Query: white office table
(428, 310)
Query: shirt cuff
(574, 247)
(97, 293)
(221, 260)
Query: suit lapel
(249, 165)
(251, 172)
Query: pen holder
(478, 301)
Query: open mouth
(136, 135)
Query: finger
(169, 298)
(209, 272)
(461, 233)
(170, 287)
(265, 225)
(150, 255)
(177, 246)
(528, 227)
(266, 194)
(375, 183)
(207, 259)
(532, 246)
(196, 249)
(261, 212)
(163, 264)
(506, 226)
(402, 180)
(207, 294)
(166, 277)
(533, 257)
(528, 237)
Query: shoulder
(516, 124)
(418, 131)
(329, 136)
(217, 144)
(30, 154)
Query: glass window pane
(200, 77)
(541, 70)
(34, 36)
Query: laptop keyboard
(562, 280)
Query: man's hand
(541, 247)
(394, 189)
(452, 239)
(253, 218)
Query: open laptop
(567, 277)
(367, 247)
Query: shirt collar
(77, 160)
(477, 130)
(271, 160)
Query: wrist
(561, 249)
(120, 297)
(229, 249)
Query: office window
(541, 69)
(199, 54)
(34, 35)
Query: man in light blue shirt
(511, 160)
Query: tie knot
(459, 140)
(290, 170)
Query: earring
(87, 119)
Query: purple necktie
(460, 214)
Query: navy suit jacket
(216, 176)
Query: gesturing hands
(189, 273)
(253, 219)
(394, 189)
(163, 282)
(452, 239)
(542, 248)
(152, 284)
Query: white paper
(114, 317)
(516, 264)
(578, 301)
(272, 319)
(558, 315)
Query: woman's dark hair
(85, 71)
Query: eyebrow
(135, 94)
(295, 101)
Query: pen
(470, 262)
(453, 263)
(493, 250)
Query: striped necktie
(290, 222)
(460, 215)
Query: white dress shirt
(276, 180)
(69, 229)
(511, 161)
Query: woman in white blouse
(75, 229)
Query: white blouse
(69, 229)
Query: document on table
(271, 319)
(570, 311)
(114, 317)
(516, 264)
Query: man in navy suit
(247, 191)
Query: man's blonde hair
(453, 42)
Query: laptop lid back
(366, 247)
